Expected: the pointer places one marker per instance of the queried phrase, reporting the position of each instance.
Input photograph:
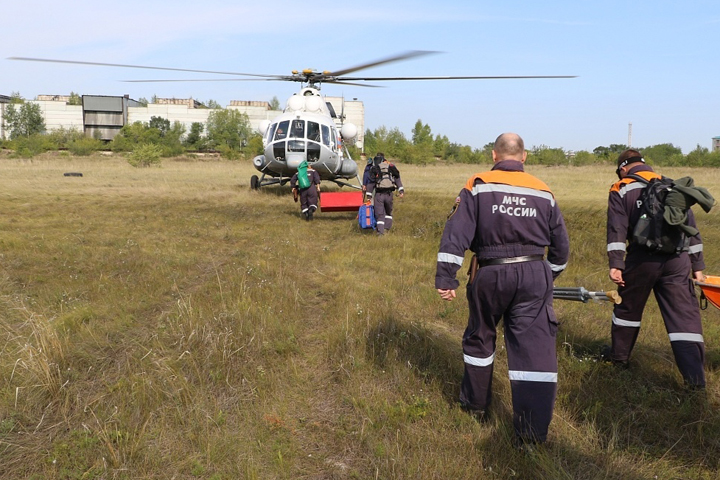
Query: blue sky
(653, 64)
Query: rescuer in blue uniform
(382, 180)
(637, 272)
(308, 195)
(508, 218)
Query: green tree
(23, 120)
(228, 128)
(160, 123)
(75, 99)
(213, 104)
(662, 154)
(699, 157)
(544, 155)
(421, 134)
(194, 138)
(274, 104)
(607, 153)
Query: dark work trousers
(308, 199)
(383, 210)
(521, 295)
(668, 276)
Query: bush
(145, 155)
(84, 146)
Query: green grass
(171, 323)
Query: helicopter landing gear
(254, 182)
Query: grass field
(171, 323)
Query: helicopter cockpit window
(296, 145)
(326, 135)
(334, 139)
(270, 132)
(279, 151)
(313, 152)
(298, 129)
(282, 129)
(313, 131)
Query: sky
(647, 72)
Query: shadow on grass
(437, 358)
(642, 408)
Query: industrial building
(104, 116)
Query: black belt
(484, 262)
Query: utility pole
(630, 134)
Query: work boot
(478, 415)
(307, 216)
(606, 356)
(310, 214)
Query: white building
(108, 114)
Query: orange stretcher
(709, 291)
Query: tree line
(229, 133)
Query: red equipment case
(340, 201)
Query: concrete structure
(106, 115)
(716, 144)
(4, 100)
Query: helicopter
(306, 130)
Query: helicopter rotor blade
(207, 80)
(342, 82)
(508, 77)
(76, 62)
(395, 58)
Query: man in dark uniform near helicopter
(308, 195)
(637, 271)
(508, 218)
(383, 180)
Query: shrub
(145, 155)
(84, 146)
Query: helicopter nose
(294, 160)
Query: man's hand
(617, 277)
(699, 276)
(446, 294)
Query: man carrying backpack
(305, 183)
(641, 267)
(383, 179)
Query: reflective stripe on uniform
(696, 248)
(629, 187)
(533, 376)
(450, 258)
(686, 337)
(556, 268)
(624, 323)
(479, 362)
(616, 246)
(380, 222)
(494, 187)
(388, 216)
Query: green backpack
(303, 180)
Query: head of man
(509, 146)
(379, 158)
(628, 159)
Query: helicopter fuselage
(305, 131)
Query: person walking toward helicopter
(305, 184)
(508, 218)
(382, 181)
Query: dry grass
(170, 323)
